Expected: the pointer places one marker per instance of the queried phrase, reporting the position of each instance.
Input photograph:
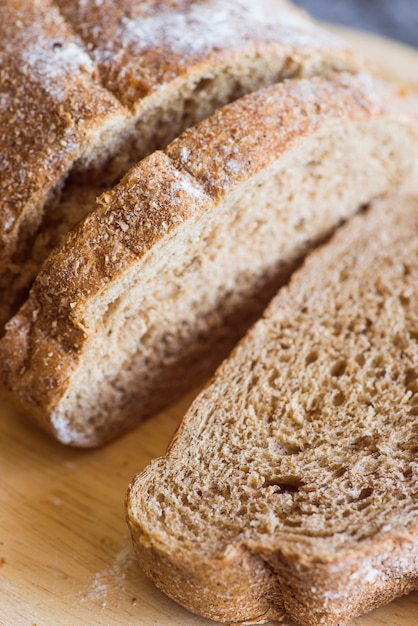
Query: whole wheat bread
(153, 288)
(290, 490)
(88, 89)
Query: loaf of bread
(290, 489)
(88, 88)
(155, 286)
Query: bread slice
(155, 286)
(290, 489)
(91, 90)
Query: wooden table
(65, 551)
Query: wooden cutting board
(65, 552)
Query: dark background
(397, 19)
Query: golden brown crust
(247, 135)
(50, 105)
(140, 47)
(44, 342)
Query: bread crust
(141, 47)
(44, 344)
(310, 579)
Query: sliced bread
(88, 91)
(291, 488)
(155, 286)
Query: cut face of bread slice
(99, 86)
(154, 287)
(290, 490)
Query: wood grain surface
(65, 551)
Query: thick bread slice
(154, 287)
(291, 488)
(163, 66)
